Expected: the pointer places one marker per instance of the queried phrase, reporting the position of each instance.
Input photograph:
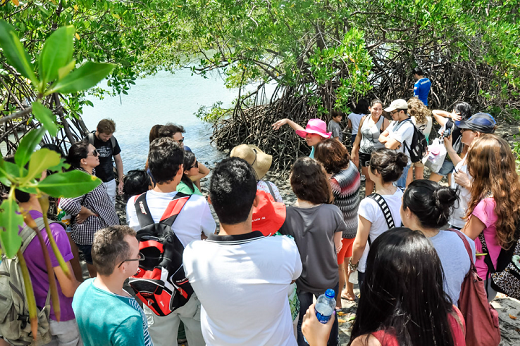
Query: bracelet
(351, 266)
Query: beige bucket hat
(260, 161)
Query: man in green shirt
(107, 315)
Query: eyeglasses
(393, 112)
(95, 153)
(181, 140)
(141, 258)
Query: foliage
(56, 73)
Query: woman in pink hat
(314, 132)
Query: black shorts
(364, 159)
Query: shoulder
(363, 341)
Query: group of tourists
(410, 242)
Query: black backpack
(418, 148)
(160, 282)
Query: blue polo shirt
(421, 89)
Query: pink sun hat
(316, 126)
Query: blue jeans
(401, 182)
(306, 301)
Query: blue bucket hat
(480, 122)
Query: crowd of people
(253, 280)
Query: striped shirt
(98, 202)
(345, 188)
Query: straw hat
(260, 161)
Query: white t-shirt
(459, 211)
(193, 219)
(242, 283)
(370, 210)
(403, 134)
(355, 119)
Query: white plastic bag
(436, 155)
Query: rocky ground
(508, 308)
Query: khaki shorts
(418, 164)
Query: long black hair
(77, 151)
(403, 291)
(430, 202)
(189, 160)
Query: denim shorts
(447, 168)
(87, 252)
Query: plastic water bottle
(325, 306)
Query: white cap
(397, 104)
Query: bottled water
(325, 306)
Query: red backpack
(160, 282)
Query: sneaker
(363, 177)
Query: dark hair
(361, 107)
(418, 71)
(54, 148)
(109, 248)
(375, 101)
(106, 126)
(154, 132)
(136, 182)
(165, 159)
(232, 190)
(464, 109)
(20, 195)
(430, 202)
(334, 114)
(189, 160)
(388, 163)
(77, 152)
(309, 182)
(169, 130)
(403, 291)
(332, 155)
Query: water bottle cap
(330, 293)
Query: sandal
(350, 299)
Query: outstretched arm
(291, 123)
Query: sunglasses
(141, 258)
(181, 140)
(94, 153)
(195, 165)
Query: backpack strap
(143, 212)
(113, 142)
(487, 257)
(384, 208)
(271, 191)
(90, 137)
(170, 214)
(399, 125)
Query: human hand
(455, 116)
(84, 214)
(120, 187)
(447, 142)
(355, 159)
(316, 333)
(462, 179)
(280, 123)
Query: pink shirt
(485, 212)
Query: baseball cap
(480, 122)
(268, 215)
(397, 104)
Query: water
(159, 99)
(325, 306)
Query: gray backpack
(90, 138)
(15, 326)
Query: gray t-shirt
(454, 259)
(335, 129)
(313, 230)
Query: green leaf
(85, 77)
(15, 52)
(27, 146)
(60, 166)
(10, 220)
(56, 53)
(65, 70)
(40, 161)
(8, 170)
(45, 117)
(69, 184)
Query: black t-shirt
(105, 170)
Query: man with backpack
(176, 223)
(399, 134)
(107, 147)
(108, 315)
(242, 277)
(15, 328)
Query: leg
(305, 301)
(76, 267)
(87, 253)
(369, 184)
(436, 177)
(419, 171)
(163, 329)
(341, 269)
(409, 177)
(348, 243)
(190, 316)
(111, 188)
